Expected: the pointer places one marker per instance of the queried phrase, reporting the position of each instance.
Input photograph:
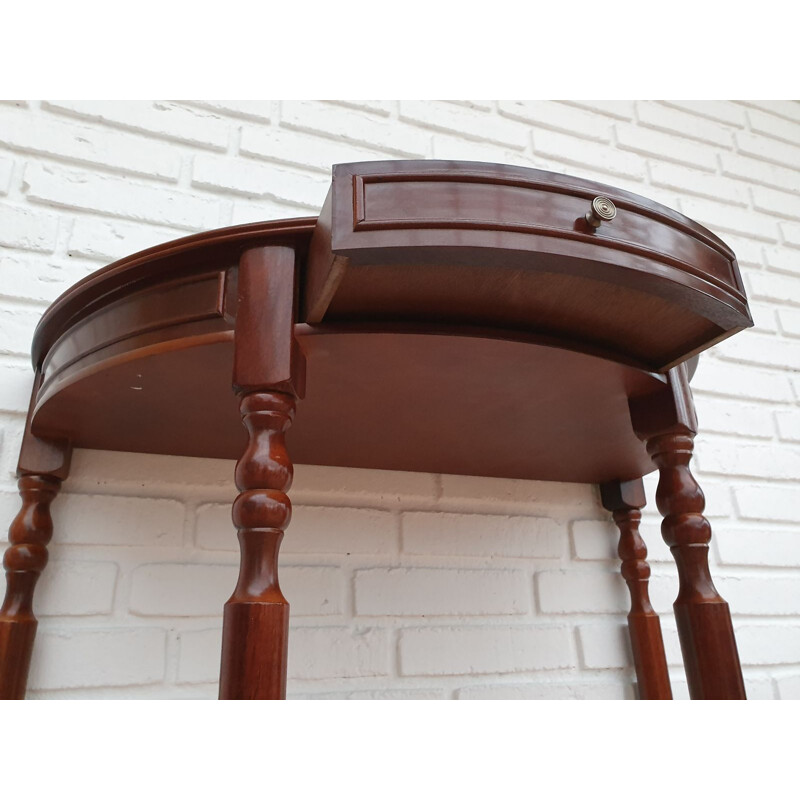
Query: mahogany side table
(438, 316)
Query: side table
(448, 317)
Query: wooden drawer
(509, 248)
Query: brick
(6, 171)
(483, 535)
(119, 197)
(355, 126)
(198, 590)
(764, 319)
(85, 144)
(791, 233)
(117, 657)
(124, 521)
(254, 179)
(664, 146)
(105, 471)
(789, 321)
(748, 252)
(76, 588)
(466, 493)
(579, 152)
(313, 530)
(780, 288)
(719, 217)
(109, 240)
(790, 109)
(761, 350)
(28, 229)
(16, 381)
(484, 650)
(750, 595)
(382, 107)
(337, 653)
(37, 279)
(304, 150)
(17, 324)
(264, 209)
(788, 425)
(755, 170)
(199, 655)
(577, 591)
(619, 109)
(605, 646)
(386, 488)
(782, 259)
(691, 181)
(734, 417)
(166, 120)
(768, 644)
(559, 117)
(788, 687)
(556, 690)
(441, 592)
(378, 694)
(772, 201)
(785, 155)
(778, 503)
(731, 457)
(594, 539)
(454, 148)
(662, 118)
(718, 110)
(258, 110)
(759, 688)
(777, 127)
(466, 122)
(758, 546)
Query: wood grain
(626, 499)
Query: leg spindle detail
(24, 560)
(256, 618)
(704, 621)
(625, 499)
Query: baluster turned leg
(625, 499)
(24, 561)
(42, 467)
(668, 426)
(256, 620)
(268, 375)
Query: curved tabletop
(455, 318)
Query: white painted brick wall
(402, 585)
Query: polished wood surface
(626, 499)
(508, 247)
(668, 424)
(42, 467)
(444, 317)
(268, 375)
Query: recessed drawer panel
(521, 249)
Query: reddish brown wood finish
(508, 247)
(431, 292)
(625, 499)
(668, 425)
(267, 376)
(42, 467)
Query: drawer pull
(603, 210)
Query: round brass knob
(603, 210)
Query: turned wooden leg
(268, 376)
(704, 622)
(625, 499)
(256, 620)
(42, 467)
